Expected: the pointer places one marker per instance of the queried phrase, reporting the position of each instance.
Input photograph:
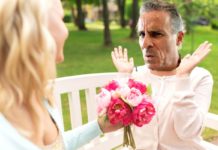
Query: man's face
(157, 41)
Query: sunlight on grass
(71, 26)
(98, 25)
(210, 134)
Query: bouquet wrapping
(125, 101)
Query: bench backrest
(73, 85)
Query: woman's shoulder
(10, 139)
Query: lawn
(85, 53)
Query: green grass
(85, 53)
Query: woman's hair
(26, 54)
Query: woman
(31, 40)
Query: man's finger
(120, 51)
(131, 61)
(116, 54)
(125, 56)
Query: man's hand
(189, 62)
(120, 60)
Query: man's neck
(163, 73)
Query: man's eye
(141, 34)
(155, 34)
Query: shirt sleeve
(191, 105)
(82, 135)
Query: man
(31, 37)
(181, 91)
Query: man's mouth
(149, 55)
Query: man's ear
(179, 39)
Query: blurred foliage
(214, 23)
(193, 10)
(67, 18)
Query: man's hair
(158, 5)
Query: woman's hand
(120, 60)
(106, 126)
(189, 62)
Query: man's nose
(147, 42)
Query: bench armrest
(212, 121)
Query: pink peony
(143, 113)
(126, 102)
(138, 85)
(134, 97)
(103, 99)
(112, 86)
(119, 112)
(123, 91)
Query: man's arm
(191, 104)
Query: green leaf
(149, 90)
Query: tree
(107, 35)
(134, 19)
(80, 19)
(121, 6)
(78, 16)
(191, 11)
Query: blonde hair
(26, 54)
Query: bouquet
(125, 101)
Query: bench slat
(212, 121)
(75, 109)
(91, 104)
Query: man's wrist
(136, 68)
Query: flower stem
(128, 139)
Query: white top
(181, 107)
(11, 139)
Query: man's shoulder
(197, 72)
(200, 73)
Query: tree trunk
(73, 14)
(134, 19)
(80, 20)
(107, 36)
(121, 5)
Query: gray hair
(157, 5)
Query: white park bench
(72, 86)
